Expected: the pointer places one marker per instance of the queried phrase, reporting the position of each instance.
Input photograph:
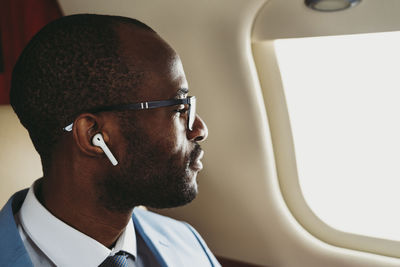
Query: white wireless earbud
(99, 141)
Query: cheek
(173, 137)
(179, 133)
(166, 132)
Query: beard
(147, 176)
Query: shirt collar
(64, 245)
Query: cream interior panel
(19, 161)
(291, 19)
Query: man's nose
(199, 132)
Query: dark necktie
(118, 260)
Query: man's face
(160, 157)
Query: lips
(197, 164)
(195, 158)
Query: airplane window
(343, 98)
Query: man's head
(83, 62)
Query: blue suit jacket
(172, 242)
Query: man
(104, 100)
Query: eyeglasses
(190, 101)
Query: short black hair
(72, 65)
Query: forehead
(146, 52)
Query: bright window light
(343, 97)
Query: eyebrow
(182, 91)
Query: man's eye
(182, 109)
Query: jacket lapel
(158, 244)
(13, 252)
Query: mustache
(195, 153)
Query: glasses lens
(192, 113)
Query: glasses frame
(190, 100)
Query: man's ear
(86, 126)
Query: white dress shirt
(51, 242)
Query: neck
(75, 202)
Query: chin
(192, 180)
